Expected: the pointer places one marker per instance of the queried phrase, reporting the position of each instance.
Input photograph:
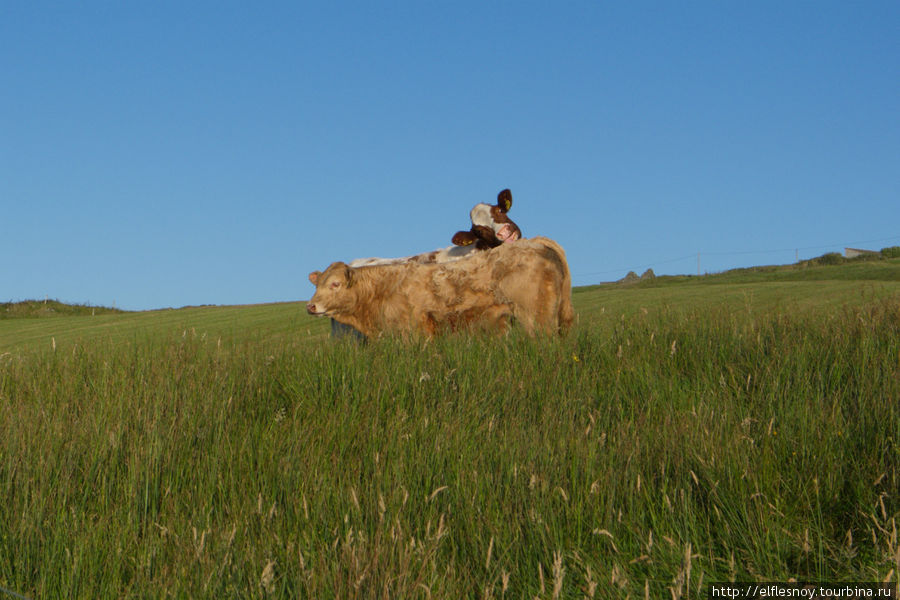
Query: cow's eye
(335, 284)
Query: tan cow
(528, 281)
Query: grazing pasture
(737, 427)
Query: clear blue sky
(158, 154)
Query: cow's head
(491, 226)
(333, 291)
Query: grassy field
(737, 427)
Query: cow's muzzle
(507, 234)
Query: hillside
(30, 309)
(793, 287)
(231, 324)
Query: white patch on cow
(481, 215)
(368, 262)
(441, 255)
(452, 253)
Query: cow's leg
(496, 318)
(547, 315)
(538, 311)
(430, 327)
(341, 330)
(550, 308)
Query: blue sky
(163, 154)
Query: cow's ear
(485, 234)
(464, 238)
(504, 200)
(348, 275)
(314, 277)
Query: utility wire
(800, 249)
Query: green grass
(686, 432)
(227, 323)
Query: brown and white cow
(491, 226)
(528, 281)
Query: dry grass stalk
(559, 573)
(267, 579)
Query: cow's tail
(565, 310)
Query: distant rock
(632, 277)
(648, 275)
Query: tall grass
(646, 455)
